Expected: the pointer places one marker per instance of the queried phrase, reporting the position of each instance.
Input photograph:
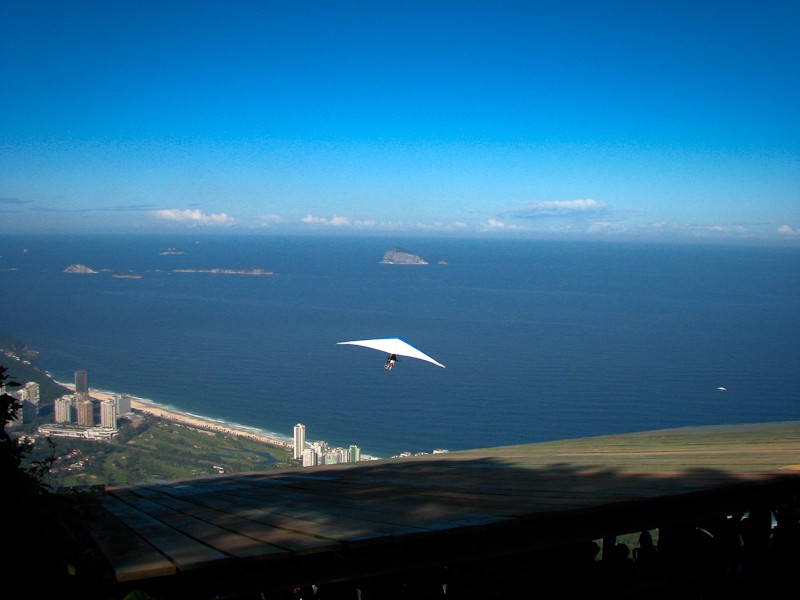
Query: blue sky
(551, 119)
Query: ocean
(542, 340)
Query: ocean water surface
(541, 340)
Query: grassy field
(149, 448)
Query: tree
(45, 541)
(12, 450)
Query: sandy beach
(191, 420)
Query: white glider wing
(394, 346)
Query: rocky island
(226, 271)
(81, 269)
(399, 256)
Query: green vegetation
(148, 448)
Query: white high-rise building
(309, 458)
(299, 440)
(64, 408)
(123, 404)
(108, 413)
(320, 447)
(29, 396)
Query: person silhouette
(645, 556)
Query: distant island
(80, 269)
(83, 269)
(171, 251)
(399, 256)
(226, 271)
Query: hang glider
(394, 347)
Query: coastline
(177, 416)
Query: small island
(127, 275)
(80, 269)
(226, 271)
(169, 251)
(399, 256)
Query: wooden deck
(345, 522)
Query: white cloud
(497, 225)
(334, 221)
(786, 230)
(192, 216)
(722, 228)
(269, 219)
(338, 221)
(313, 220)
(561, 207)
(342, 222)
(439, 225)
(494, 224)
(599, 226)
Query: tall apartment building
(123, 404)
(334, 456)
(108, 413)
(355, 454)
(299, 440)
(85, 411)
(309, 457)
(320, 447)
(28, 396)
(64, 408)
(82, 382)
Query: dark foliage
(20, 358)
(46, 545)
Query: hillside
(19, 359)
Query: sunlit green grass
(157, 449)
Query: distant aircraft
(394, 347)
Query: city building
(76, 431)
(85, 409)
(355, 454)
(28, 395)
(108, 413)
(320, 447)
(299, 440)
(123, 404)
(335, 456)
(309, 458)
(65, 409)
(319, 452)
(82, 382)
